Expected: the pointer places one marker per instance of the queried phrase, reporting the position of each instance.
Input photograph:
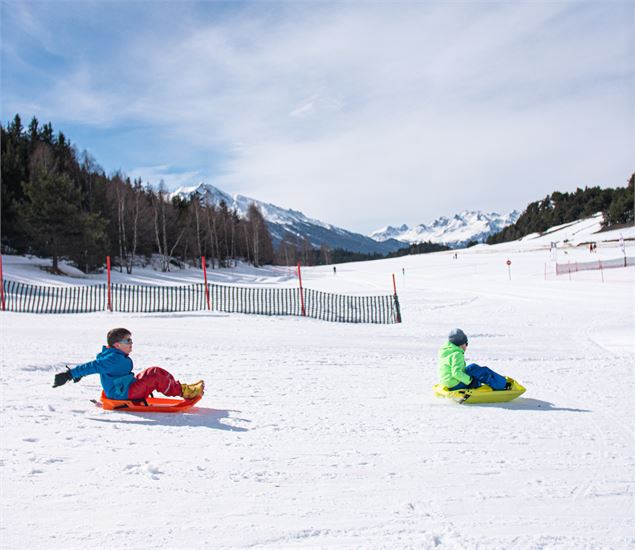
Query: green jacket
(452, 365)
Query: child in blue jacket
(114, 367)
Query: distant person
(403, 270)
(456, 375)
(334, 270)
(114, 367)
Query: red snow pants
(154, 379)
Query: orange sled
(150, 404)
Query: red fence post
(394, 288)
(205, 277)
(109, 295)
(301, 291)
(1, 284)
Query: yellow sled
(482, 394)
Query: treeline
(325, 255)
(58, 202)
(419, 248)
(559, 208)
(295, 249)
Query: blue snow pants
(482, 375)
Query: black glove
(62, 377)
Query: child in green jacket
(456, 375)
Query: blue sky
(361, 114)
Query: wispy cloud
(165, 174)
(406, 111)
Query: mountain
(292, 223)
(454, 232)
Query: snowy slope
(570, 239)
(455, 232)
(323, 435)
(292, 223)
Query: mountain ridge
(289, 224)
(456, 231)
(286, 223)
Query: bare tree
(160, 227)
(120, 205)
(135, 225)
(196, 205)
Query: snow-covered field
(323, 435)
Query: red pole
(109, 296)
(1, 284)
(205, 277)
(301, 291)
(394, 288)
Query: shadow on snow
(528, 404)
(197, 417)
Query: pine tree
(621, 209)
(14, 170)
(54, 219)
(60, 203)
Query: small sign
(509, 262)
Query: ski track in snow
(323, 435)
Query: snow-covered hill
(325, 435)
(293, 224)
(455, 232)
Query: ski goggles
(126, 341)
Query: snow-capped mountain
(454, 232)
(292, 223)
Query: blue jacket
(115, 370)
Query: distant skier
(114, 367)
(456, 375)
(334, 270)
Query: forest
(558, 208)
(58, 202)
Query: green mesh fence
(340, 308)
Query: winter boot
(190, 391)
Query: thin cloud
(166, 174)
(407, 111)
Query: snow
(326, 435)
(32, 270)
